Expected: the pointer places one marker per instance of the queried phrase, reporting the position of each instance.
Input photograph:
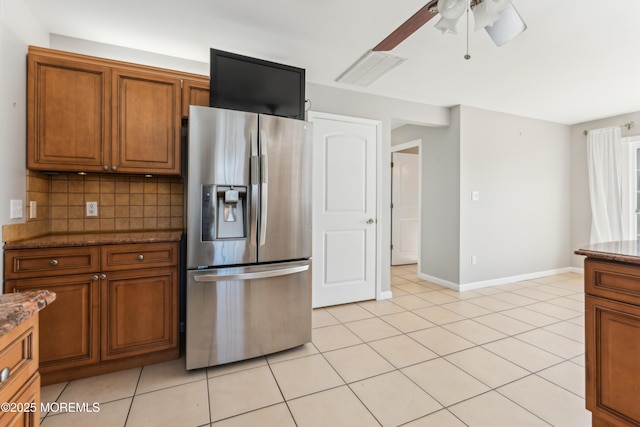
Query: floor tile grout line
(135, 389)
(284, 399)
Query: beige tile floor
(510, 355)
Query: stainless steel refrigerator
(248, 235)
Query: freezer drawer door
(243, 312)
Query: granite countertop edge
(627, 251)
(56, 240)
(17, 307)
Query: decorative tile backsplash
(124, 203)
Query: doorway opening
(406, 206)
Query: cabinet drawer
(612, 280)
(19, 353)
(51, 262)
(136, 256)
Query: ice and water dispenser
(224, 212)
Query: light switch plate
(16, 209)
(92, 208)
(33, 209)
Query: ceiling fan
(498, 17)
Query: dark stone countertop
(627, 251)
(17, 307)
(91, 239)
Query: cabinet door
(69, 328)
(612, 340)
(139, 312)
(194, 93)
(146, 123)
(28, 397)
(68, 115)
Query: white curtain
(608, 163)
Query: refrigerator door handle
(252, 275)
(264, 196)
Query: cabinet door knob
(103, 276)
(94, 277)
(113, 168)
(4, 374)
(140, 257)
(54, 262)
(105, 167)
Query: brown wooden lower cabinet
(130, 328)
(612, 341)
(19, 356)
(104, 320)
(69, 329)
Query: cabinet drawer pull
(4, 374)
(103, 276)
(140, 257)
(54, 262)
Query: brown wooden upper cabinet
(194, 93)
(88, 114)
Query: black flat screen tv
(255, 85)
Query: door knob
(371, 221)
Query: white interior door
(344, 209)
(405, 230)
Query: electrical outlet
(33, 209)
(16, 209)
(92, 208)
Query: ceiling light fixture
(498, 17)
(370, 67)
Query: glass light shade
(484, 15)
(447, 25)
(451, 9)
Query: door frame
(378, 243)
(401, 147)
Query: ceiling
(578, 60)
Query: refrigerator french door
(248, 235)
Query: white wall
(118, 53)
(521, 168)
(580, 202)
(440, 221)
(18, 29)
(520, 227)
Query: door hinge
(391, 246)
(391, 205)
(391, 164)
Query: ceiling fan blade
(410, 26)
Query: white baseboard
(498, 281)
(439, 281)
(385, 295)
